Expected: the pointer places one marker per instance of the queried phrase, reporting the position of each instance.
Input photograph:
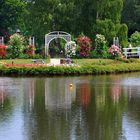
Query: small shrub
(37, 56)
(135, 39)
(23, 56)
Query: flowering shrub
(100, 40)
(30, 50)
(85, 45)
(114, 51)
(16, 45)
(70, 49)
(3, 51)
(100, 45)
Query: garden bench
(131, 52)
(38, 61)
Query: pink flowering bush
(84, 43)
(114, 51)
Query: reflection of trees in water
(59, 94)
(106, 117)
(60, 114)
(51, 112)
(5, 105)
(133, 113)
(83, 93)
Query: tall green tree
(10, 15)
(131, 15)
(109, 9)
(45, 16)
(108, 20)
(75, 16)
(84, 16)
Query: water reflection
(85, 108)
(83, 93)
(59, 93)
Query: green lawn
(21, 61)
(76, 61)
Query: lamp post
(18, 31)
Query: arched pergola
(53, 35)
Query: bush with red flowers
(84, 43)
(30, 50)
(3, 51)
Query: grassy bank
(82, 67)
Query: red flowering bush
(114, 51)
(85, 45)
(3, 51)
(30, 50)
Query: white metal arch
(53, 35)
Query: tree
(74, 16)
(108, 20)
(84, 17)
(131, 15)
(10, 14)
(45, 16)
(109, 9)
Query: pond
(70, 108)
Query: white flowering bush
(114, 51)
(100, 40)
(16, 45)
(100, 45)
(70, 49)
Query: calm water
(70, 108)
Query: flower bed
(24, 65)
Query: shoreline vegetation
(24, 67)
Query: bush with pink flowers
(114, 51)
(84, 43)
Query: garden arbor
(53, 35)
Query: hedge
(70, 70)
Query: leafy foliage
(135, 39)
(10, 15)
(131, 15)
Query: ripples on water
(70, 108)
